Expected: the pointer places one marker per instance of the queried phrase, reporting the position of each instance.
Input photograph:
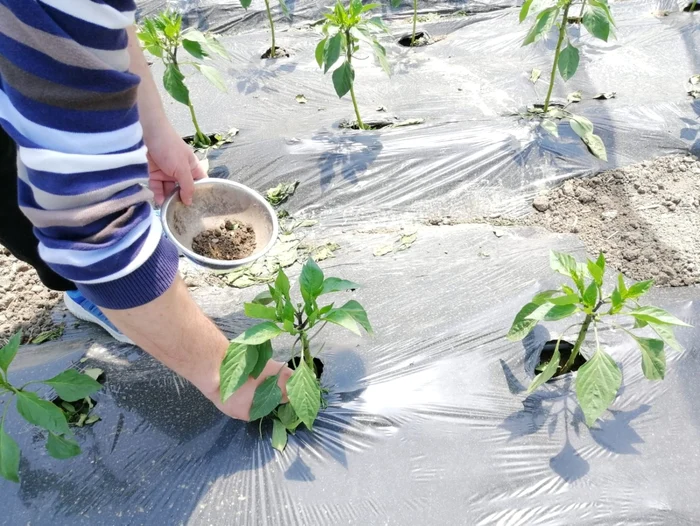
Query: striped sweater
(69, 102)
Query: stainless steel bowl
(215, 201)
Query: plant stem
(273, 49)
(692, 7)
(348, 57)
(577, 346)
(306, 351)
(415, 16)
(199, 136)
(583, 6)
(552, 77)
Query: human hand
(171, 161)
(239, 404)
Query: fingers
(183, 174)
(198, 168)
(158, 191)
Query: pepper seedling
(596, 17)
(343, 32)
(273, 48)
(249, 353)
(162, 36)
(397, 3)
(599, 378)
(70, 386)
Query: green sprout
(599, 379)
(162, 36)
(70, 386)
(285, 10)
(397, 3)
(343, 31)
(249, 353)
(596, 17)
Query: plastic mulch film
(428, 422)
(471, 156)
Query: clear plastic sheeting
(471, 156)
(428, 422)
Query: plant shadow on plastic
(70, 385)
(346, 156)
(249, 353)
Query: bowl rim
(221, 263)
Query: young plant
(163, 37)
(283, 5)
(397, 3)
(599, 379)
(248, 354)
(343, 31)
(596, 17)
(70, 386)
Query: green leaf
(260, 333)
(343, 77)
(236, 368)
(562, 263)
(640, 324)
(213, 76)
(331, 52)
(596, 21)
(639, 289)
(279, 435)
(656, 315)
(617, 301)
(596, 146)
(544, 296)
(267, 396)
(194, 48)
(597, 383)
(665, 332)
(544, 22)
(264, 298)
(216, 47)
(337, 285)
(282, 284)
(550, 126)
(288, 417)
(61, 447)
(559, 312)
(549, 370)
(344, 319)
(590, 295)
(596, 272)
(320, 47)
(568, 62)
(41, 413)
(569, 299)
(173, 83)
(601, 262)
(380, 53)
(359, 314)
(524, 10)
(311, 280)
(255, 310)
(540, 312)
(621, 285)
(603, 4)
(264, 354)
(71, 386)
(93, 372)
(653, 358)
(246, 3)
(304, 394)
(522, 325)
(375, 5)
(581, 126)
(9, 457)
(9, 351)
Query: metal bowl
(215, 201)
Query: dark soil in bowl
(422, 39)
(279, 53)
(318, 365)
(565, 349)
(232, 240)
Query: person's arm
(69, 102)
(170, 160)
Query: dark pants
(16, 232)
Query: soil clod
(232, 240)
(422, 39)
(279, 53)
